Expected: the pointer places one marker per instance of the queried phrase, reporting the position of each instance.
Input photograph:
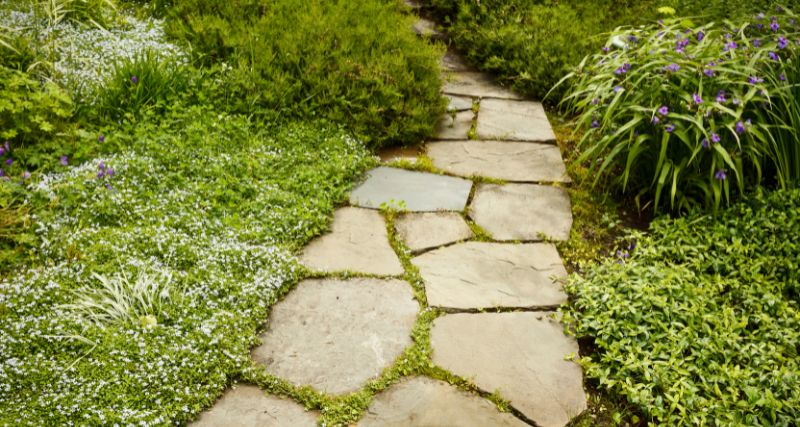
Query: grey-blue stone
(412, 191)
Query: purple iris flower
(697, 99)
(9, 162)
(782, 42)
(757, 43)
(101, 138)
(669, 128)
(782, 77)
(26, 175)
(100, 174)
(700, 36)
(730, 46)
(774, 26)
(2, 173)
(721, 97)
(2, 151)
(101, 165)
(760, 26)
(740, 128)
(134, 79)
(605, 49)
(617, 89)
(708, 72)
(664, 110)
(672, 67)
(720, 175)
(632, 38)
(655, 120)
(774, 56)
(108, 186)
(595, 124)
(705, 144)
(109, 172)
(715, 138)
(64, 160)
(754, 80)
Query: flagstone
(249, 406)
(502, 119)
(421, 231)
(411, 191)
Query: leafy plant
(698, 323)
(119, 299)
(682, 116)
(349, 62)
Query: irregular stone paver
(476, 85)
(248, 406)
(421, 231)
(335, 335)
(391, 154)
(453, 62)
(455, 126)
(514, 121)
(427, 28)
(419, 191)
(521, 355)
(510, 161)
(357, 242)
(459, 103)
(423, 402)
(522, 211)
(475, 275)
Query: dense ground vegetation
(531, 44)
(697, 323)
(155, 185)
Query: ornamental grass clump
(684, 116)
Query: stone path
(480, 231)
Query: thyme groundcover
(699, 324)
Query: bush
(684, 115)
(350, 62)
(700, 324)
(531, 44)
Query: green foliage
(350, 62)
(684, 115)
(531, 44)
(142, 84)
(97, 13)
(700, 324)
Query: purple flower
(101, 165)
(720, 175)
(620, 71)
(134, 79)
(672, 67)
(64, 160)
(595, 124)
(109, 172)
(595, 101)
(700, 36)
(782, 42)
(737, 101)
(617, 89)
(2, 173)
(101, 138)
(760, 26)
(774, 56)
(721, 97)
(100, 174)
(705, 144)
(669, 128)
(708, 72)
(757, 43)
(632, 38)
(730, 46)
(715, 138)
(774, 26)
(755, 80)
(655, 120)
(2, 151)
(26, 175)
(782, 77)
(697, 99)
(9, 162)
(108, 186)
(740, 128)
(605, 49)
(664, 110)
(682, 43)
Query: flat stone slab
(419, 191)
(476, 85)
(509, 161)
(335, 335)
(453, 62)
(459, 103)
(500, 119)
(423, 402)
(421, 231)
(358, 242)
(520, 355)
(477, 275)
(455, 126)
(522, 211)
(248, 406)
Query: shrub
(531, 44)
(686, 115)
(700, 323)
(350, 62)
